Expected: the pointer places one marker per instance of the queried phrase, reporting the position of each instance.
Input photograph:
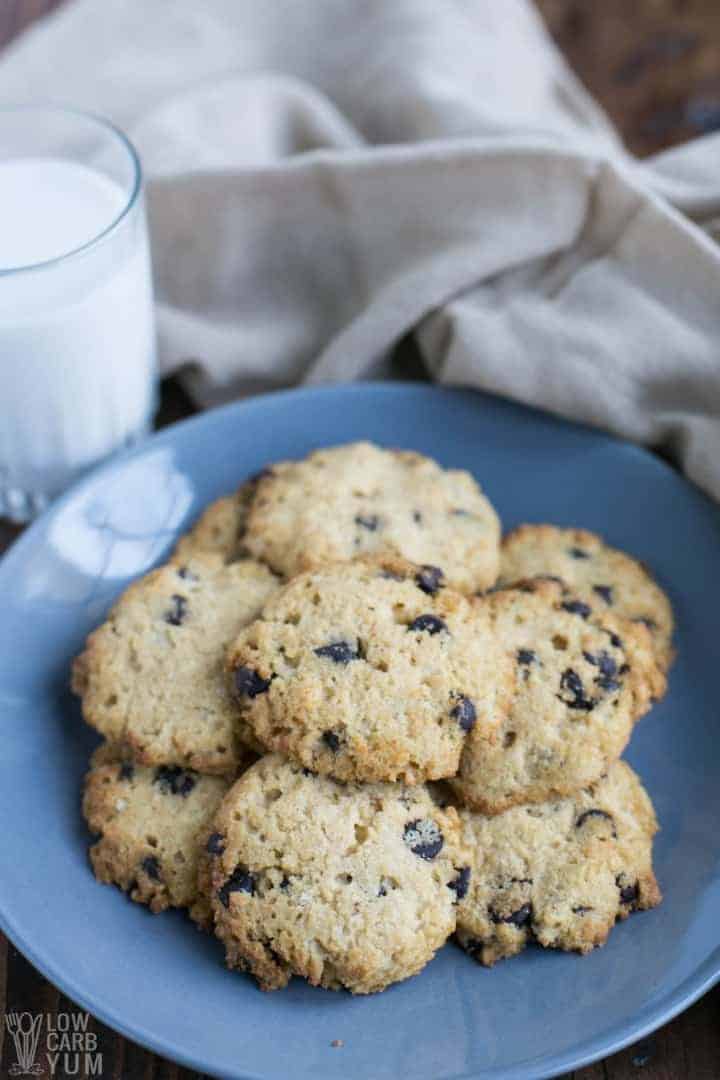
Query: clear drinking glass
(77, 336)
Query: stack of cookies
(345, 722)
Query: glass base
(22, 506)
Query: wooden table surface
(686, 1049)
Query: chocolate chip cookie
(359, 499)
(581, 680)
(559, 873)
(371, 670)
(605, 578)
(149, 823)
(346, 885)
(152, 677)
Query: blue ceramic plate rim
(609, 1041)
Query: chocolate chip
(126, 771)
(331, 740)
(571, 684)
(518, 918)
(430, 624)
(576, 607)
(602, 660)
(526, 656)
(424, 838)
(175, 615)
(417, 517)
(429, 579)
(578, 553)
(581, 910)
(608, 670)
(151, 866)
(285, 883)
(367, 521)
(464, 712)
(172, 780)
(616, 641)
(338, 651)
(605, 591)
(248, 683)
(215, 844)
(628, 893)
(185, 574)
(587, 814)
(460, 883)
(241, 880)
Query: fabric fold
(324, 179)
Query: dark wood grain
(653, 64)
(686, 1049)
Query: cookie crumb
(337, 1043)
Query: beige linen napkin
(324, 177)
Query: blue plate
(157, 980)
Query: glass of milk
(77, 336)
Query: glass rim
(119, 135)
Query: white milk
(77, 348)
